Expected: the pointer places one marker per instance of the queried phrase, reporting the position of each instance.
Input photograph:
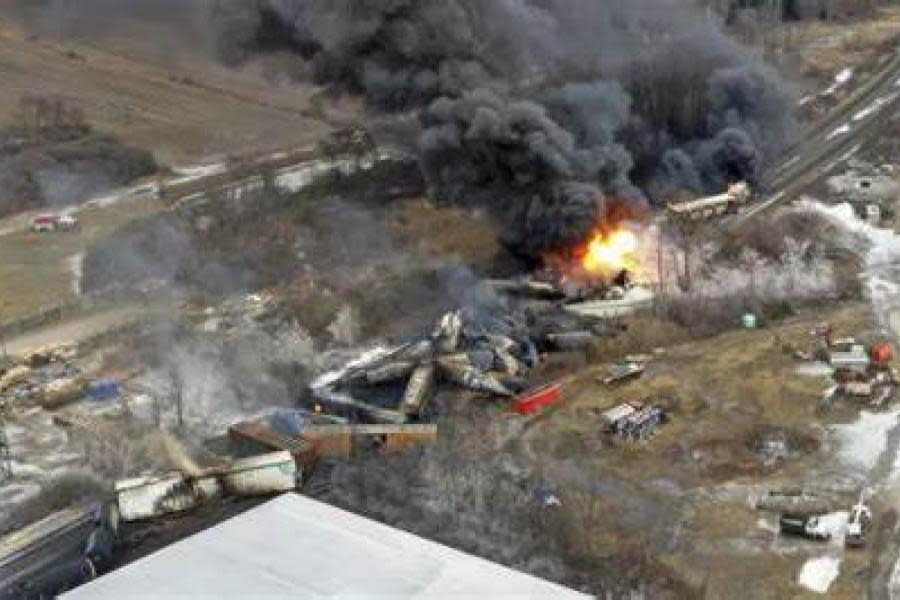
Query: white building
(298, 548)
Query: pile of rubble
(47, 377)
(236, 312)
(860, 369)
(489, 349)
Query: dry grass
(723, 392)
(36, 268)
(745, 371)
(445, 231)
(179, 104)
(824, 47)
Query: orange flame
(609, 253)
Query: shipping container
(538, 398)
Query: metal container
(154, 496)
(537, 399)
(264, 474)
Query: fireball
(612, 252)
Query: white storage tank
(264, 474)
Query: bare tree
(176, 389)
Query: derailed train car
(59, 552)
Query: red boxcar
(537, 398)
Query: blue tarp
(103, 389)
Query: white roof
(618, 412)
(298, 548)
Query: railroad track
(835, 139)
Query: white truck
(807, 526)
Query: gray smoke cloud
(547, 111)
(544, 110)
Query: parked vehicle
(807, 526)
(43, 223)
(67, 223)
(50, 223)
(59, 552)
(858, 525)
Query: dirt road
(77, 330)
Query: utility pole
(5, 457)
(177, 389)
(660, 271)
(2, 334)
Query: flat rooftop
(295, 547)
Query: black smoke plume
(543, 110)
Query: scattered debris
(624, 371)
(546, 495)
(489, 350)
(634, 420)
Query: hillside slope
(176, 102)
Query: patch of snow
(76, 263)
(862, 442)
(21, 469)
(843, 76)
(882, 253)
(18, 493)
(874, 106)
(195, 172)
(840, 79)
(817, 574)
(835, 524)
(766, 525)
(842, 130)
